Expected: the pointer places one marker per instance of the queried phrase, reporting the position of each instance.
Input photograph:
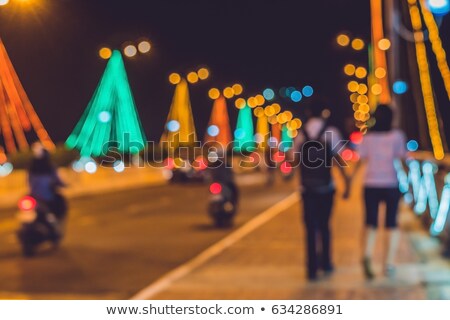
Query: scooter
(39, 224)
(222, 204)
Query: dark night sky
(53, 45)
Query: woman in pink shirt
(380, 147)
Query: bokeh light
(380, 72)
(353, 86)
(356, 137)
(4, 2)
(119, 166)
(104, 117)
(203, 73)
(252, 102)
(276, 107)
(130, 51)
(237, 88)
(289, 91)
(192, 77)
(90, 167)
(240, 103)
(354, 97)
(361, 72)
(269, 111)
(5, 169)
(144, 46)
(362, 99)
(412, 145)
(104, 53)
(376, 89)
(364, 108)
(439, 7)
(307, 91)
(260, 100)
(358, 44)
(343, 40)
(362, 88)
(268, 94)
(400, 87)
(349, 69)
(239, 133)
(214, 93)
(213, 130)
(384, 44)
(296, 96)
(258, 112)
(173, 126)
(228, 92)
(174, 78)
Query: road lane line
(165, 281)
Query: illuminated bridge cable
(436, 44)
(17, 115)
(425, 81)
(379, 56)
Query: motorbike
(39, 223)
(222, 204)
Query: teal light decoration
(243, 135)
(286, 141)
(111, 118)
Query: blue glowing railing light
(420, 180)
(439, 7)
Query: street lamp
(130, 49)
(228, 92)
(192, 77)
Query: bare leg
(392, 239)
(370, 241)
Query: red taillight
(200, 163)
(278, 156)
(169, 163)
(356, 137)
(347, 154)
(286, 168)
(215, 188)
(27, 203)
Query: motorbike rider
(44, 181)
(220, 169)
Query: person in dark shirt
(43, 179)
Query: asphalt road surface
(118, 243)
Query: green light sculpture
(243, 135)
(110, 119)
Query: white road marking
(165, 281)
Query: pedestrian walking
(379, 149)
(317, 150)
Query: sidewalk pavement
(269, 263)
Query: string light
(425, 80)
(436, 45)
(379, 56)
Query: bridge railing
(425, 184)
